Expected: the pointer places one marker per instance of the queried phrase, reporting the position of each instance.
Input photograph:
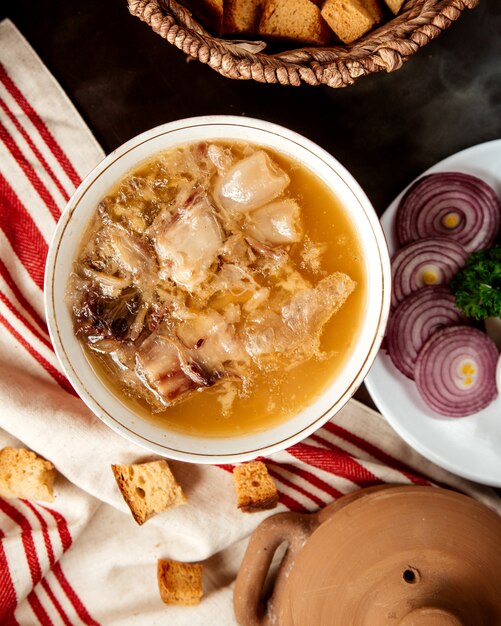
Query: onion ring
(414, 321)
(450, 204)
(456, 371)
(432, 261)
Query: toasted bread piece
(350, 19)
(148, 488)
(179, 583)
(242, 16)
(255, 488)
(394, 5)
(23, 474)
(297, 20)
(209, 12)
(375, 9)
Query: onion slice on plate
(414, 321)
(432, 261)
(456, 371)
(450, 204)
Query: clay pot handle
(291, 528)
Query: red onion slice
(414, 321)
(432, 261)
(450, 204)
(456, 371)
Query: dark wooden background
(386, 129)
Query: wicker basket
(385, 48)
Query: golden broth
(278, 395)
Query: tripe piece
(276, 223)
(188, 242)
(159, 364)
(251, 183)
(298, 324)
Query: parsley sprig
(477, 286)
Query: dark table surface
(386, 129)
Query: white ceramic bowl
(66, 241)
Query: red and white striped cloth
(83, 560)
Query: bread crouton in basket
(389, 43)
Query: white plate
(468, 446)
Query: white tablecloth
(82, 559)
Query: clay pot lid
(408, 556)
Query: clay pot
(408, 556)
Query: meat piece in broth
(98, 317)
(211, 341)
(109, 285)
(220, 157)
(159, 366)
(133, 257)
(269, 259)
(236, 250)
(131, 254)
(308, 311)
(276, 223)
(250, 183)
(199, 352)
(231, 284)
(297, 324)
(188, 242)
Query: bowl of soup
(217, 288)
